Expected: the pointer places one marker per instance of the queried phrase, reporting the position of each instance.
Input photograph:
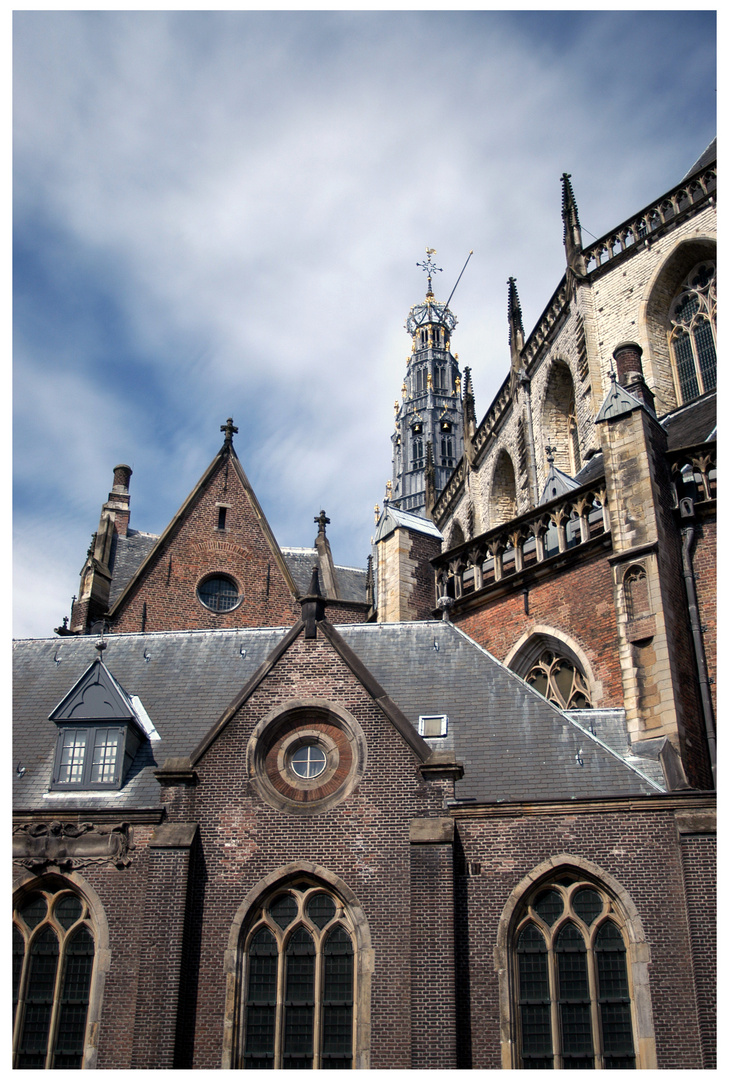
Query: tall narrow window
(692, 333)
(299, 996)
(53, 959)
(571, 974)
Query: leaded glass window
(53, 960)
(692, 333)
(300, 976)
(560, 681)
(571, 974)
(89, 757)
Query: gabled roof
(391, 519)
(513, 744)
(226, 452)
(558, 483)
(96, 696)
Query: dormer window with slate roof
(100, 730)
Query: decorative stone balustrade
(693, 473)
(667, 209)
(551, 530)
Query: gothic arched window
(299, 964)
(53, 960)
(560, 681)
(692, 332)
(417, 452)
(570, 968)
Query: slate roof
(692, 423)
(128, 553)
(391, 518)
(351, 581)
(512, 742)
(706, 158)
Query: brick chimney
(119, 498)
(629, 366)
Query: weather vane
(430, 267)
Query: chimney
(627, 356)
(119, 498)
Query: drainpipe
(687, 534)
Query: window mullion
(554, 1004)
(53, 1026)
(594, 1007)
(318, 987)
(280, 991)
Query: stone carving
(70, 845)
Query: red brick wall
(165, 598)
(641, 851)
(578, 601)
(424, 548)
(699, 862)
(364, 840)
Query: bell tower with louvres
(428, 437)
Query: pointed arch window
(299, 963)
(53, 960)
(560, 681)
(570, 964)
(692, 332)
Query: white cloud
(248, 194)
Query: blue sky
(221, 214)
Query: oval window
(219, 593)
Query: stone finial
(322, 521)
(550, 451)
(230, 430)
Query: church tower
(428, 438)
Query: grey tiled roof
(692, 423)
(129, 552)
(513, 744)
(301, 561)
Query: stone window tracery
(692, 333)
(300, 973)
(560, 681)
(573, 1003)
(52, 967)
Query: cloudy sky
(221, 214)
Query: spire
(469, 415)
(516, 327)
(312, 606)
(572, 234)
(326, 560)
(230, 430)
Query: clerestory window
(299, 958)
(573, 1000)
(692, 333)
(53, 960)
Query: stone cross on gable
(230, 430)
(322, 521)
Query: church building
(452, 809)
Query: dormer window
(100, 729)
(91, 757)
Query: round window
(308, 761)
(219, 593)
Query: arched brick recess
(638, 954)
(559, 418)
(503, 491)
(233, 962)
